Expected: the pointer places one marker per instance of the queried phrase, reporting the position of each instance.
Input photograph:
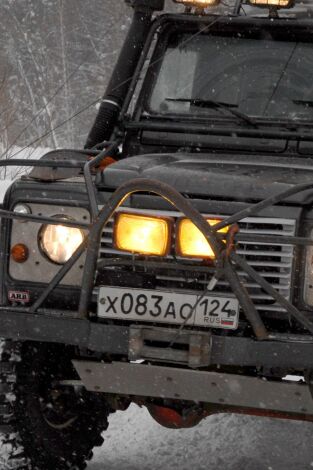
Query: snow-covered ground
(221, 442)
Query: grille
(273, 261)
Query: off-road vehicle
(170, 262)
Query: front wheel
(45, 425)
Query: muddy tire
(45, 426)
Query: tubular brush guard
(226, 257)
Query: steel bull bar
(226, 258)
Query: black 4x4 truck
(170, 262)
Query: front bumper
(286, 352)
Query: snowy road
(229, 442)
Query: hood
(217, 176)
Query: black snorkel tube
(120, 80)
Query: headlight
(59, 242)
(191, 242)
(142, 234)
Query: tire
(45, 426)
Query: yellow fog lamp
(272, 3)
(59, 242)
(191, 242)
(142, 234)
(198, 3)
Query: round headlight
(59, 242)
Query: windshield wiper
(216, 105)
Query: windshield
(259, 77)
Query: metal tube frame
(226, 257)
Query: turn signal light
(192, 243)
(107, 161)
(142, 234)
(20, 253)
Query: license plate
(116, 303)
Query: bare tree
(55, 59)
(10, 114)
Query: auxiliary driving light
(142, 234)
(198, 3)
(192, 243)
(59, 242)
(272, 3)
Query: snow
(221, 442)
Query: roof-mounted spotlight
(272, 3)
(199, 4)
